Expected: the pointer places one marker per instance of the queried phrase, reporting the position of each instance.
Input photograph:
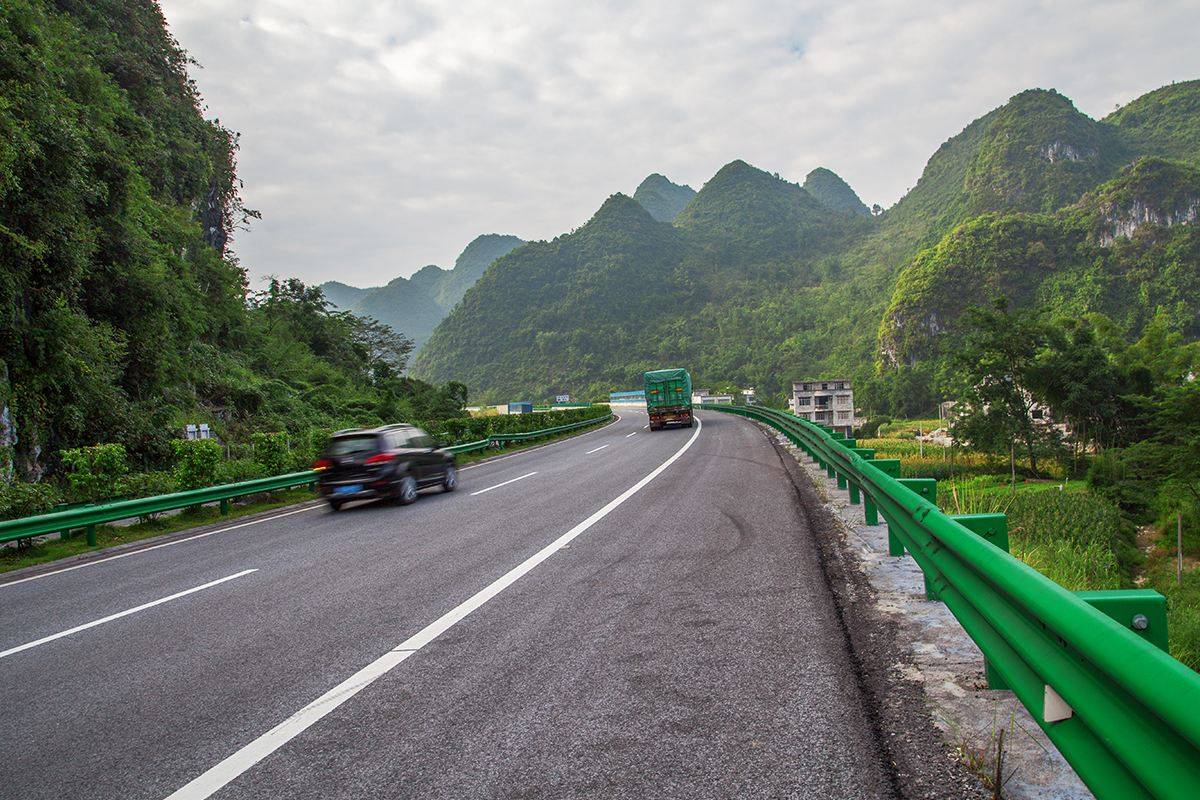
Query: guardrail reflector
(1054, 708)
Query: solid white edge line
(505, 483)
(141, 550)
(597, 450)
(231, 767)
(125, 613)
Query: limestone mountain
(1128, 249)
(342, 295)
(828, 189)
(757, 280)
(416, 304)
(662, 198)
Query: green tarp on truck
(668, 397)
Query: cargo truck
(669, 398)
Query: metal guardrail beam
(89, 516)
(1124, 714)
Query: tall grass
(1077, 539)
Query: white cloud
(382, 136)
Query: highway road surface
(622, 614)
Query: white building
(829, 402)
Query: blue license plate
(353, 489)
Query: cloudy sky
(381, 135)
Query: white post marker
(126, 613)
(505, 483)
(226, 771)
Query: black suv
(392, 462)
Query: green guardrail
(1090, 667)
(87, 517)
(504, 438)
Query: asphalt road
(621, 614)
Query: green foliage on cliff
(1081, 259)
(1163, 122)
(125, 315)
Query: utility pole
(1179, 547)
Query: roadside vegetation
(1089, 444)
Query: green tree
(991, 369)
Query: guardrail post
(927, 489)
(224, 506)
(1143, 611)
(889, 467)
(91, 535)
(992, 527)
(862, 452)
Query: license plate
(353, 489)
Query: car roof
(371, 431)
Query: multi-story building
(829, 402)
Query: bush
(272, 453)
(471, 429)
(147, 484)
(197, 462)
(871, 428)
(237, 470)
(27, 499)
(94, 472)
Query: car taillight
(381, 458)
(322, 463)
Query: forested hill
(127, 316)
(834, 193)
(766, 280)
(418, 303)
(662, 198)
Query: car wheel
(450, 478)
(407, 491)
(335, 505)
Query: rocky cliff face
(1125, 222)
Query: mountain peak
(1039, 153)
(834, 193)
(662, 198)
(1156, 123)
(618, 206)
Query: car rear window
(351, 445)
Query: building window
(804, 401)
(843, 415)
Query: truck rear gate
(668, 397)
